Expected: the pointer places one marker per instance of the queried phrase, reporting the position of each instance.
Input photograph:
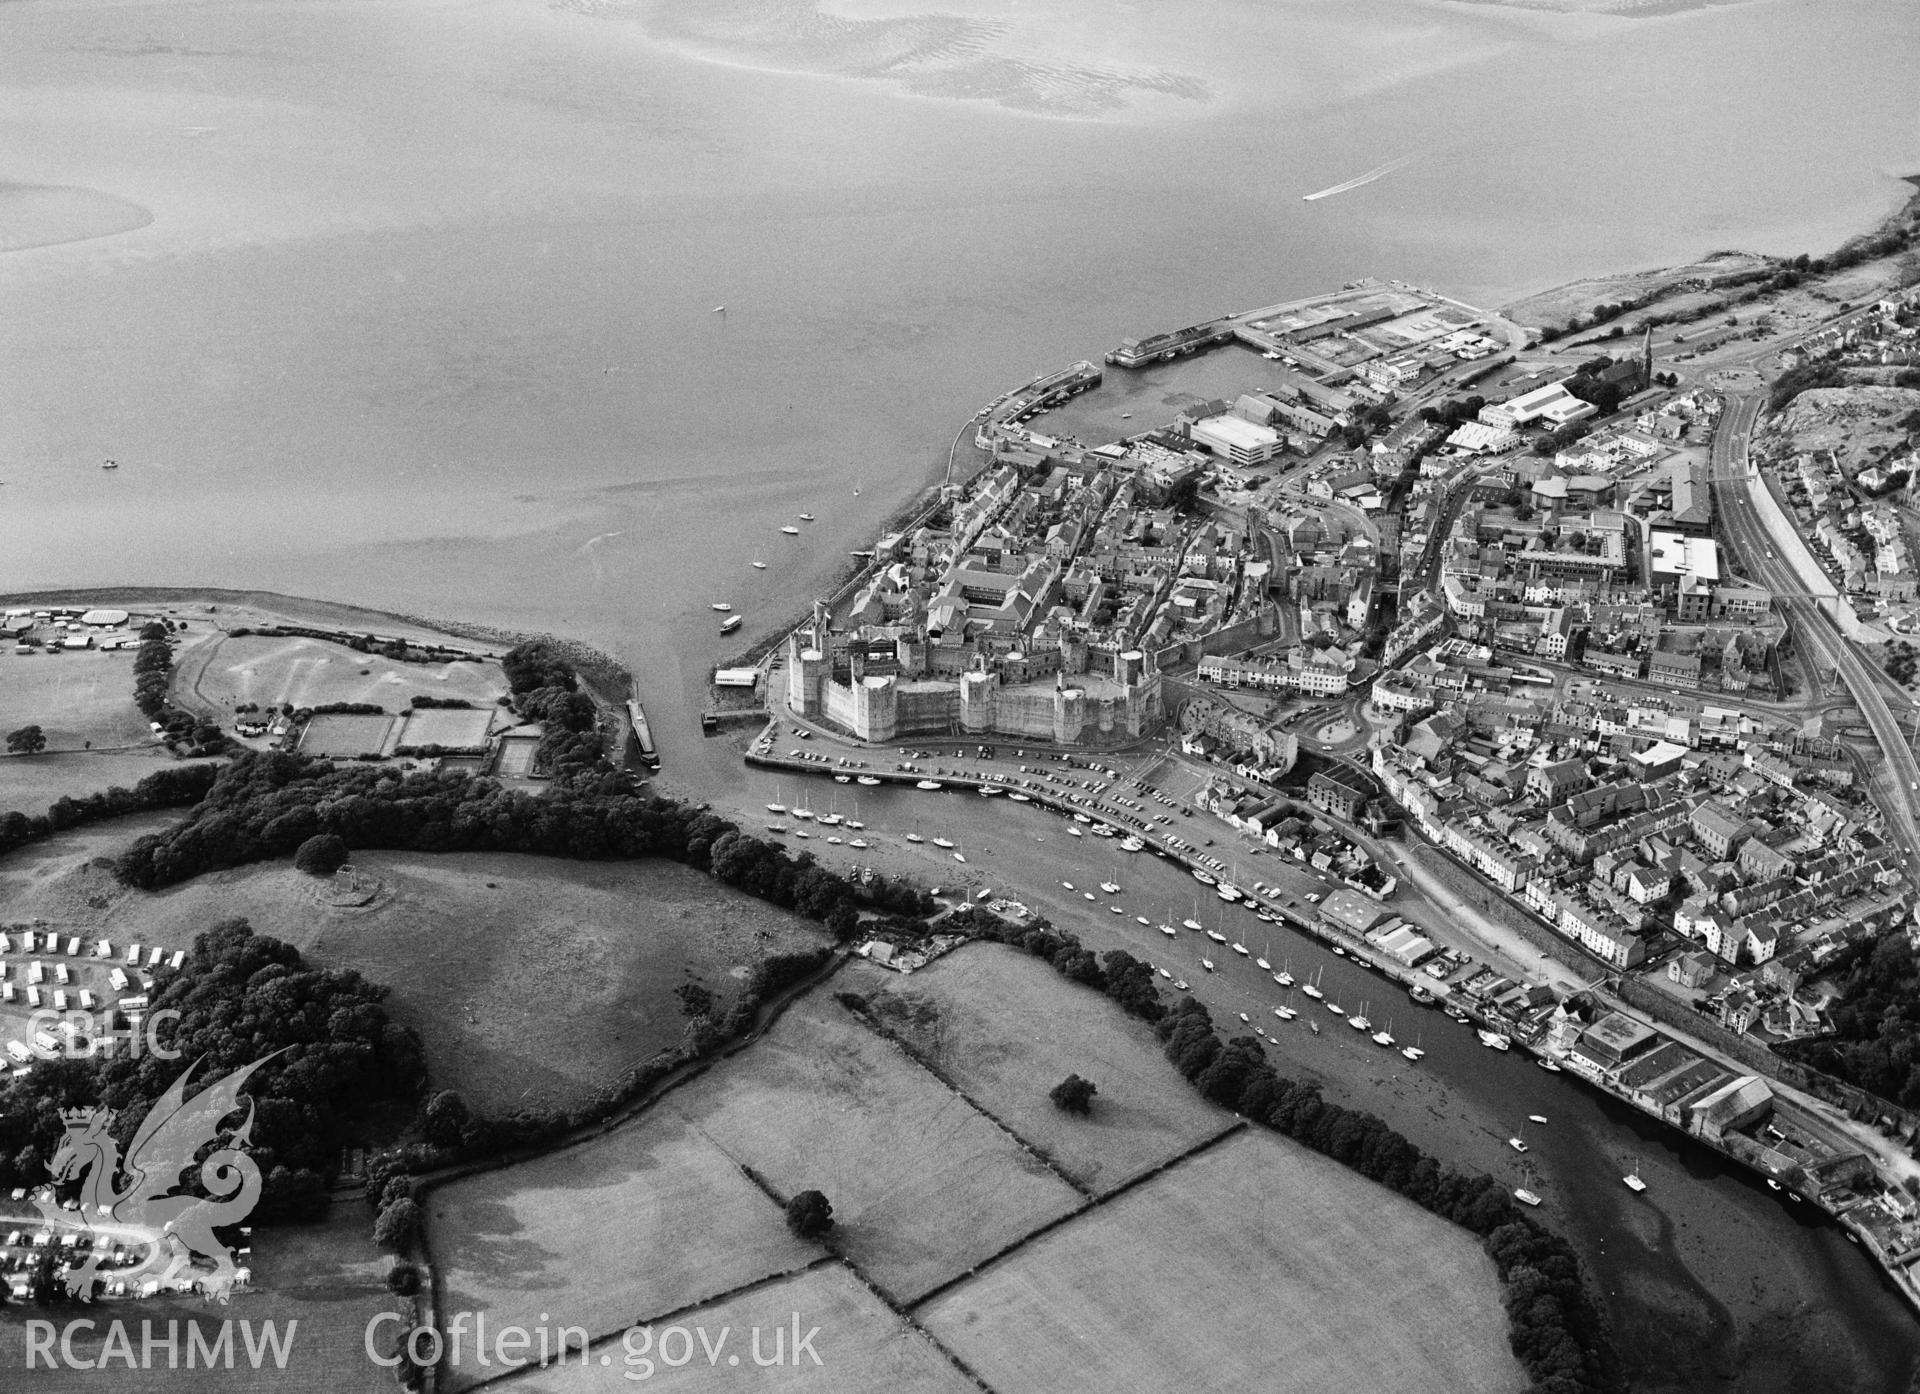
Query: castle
(883, 683)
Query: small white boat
(959, 857)
(1169, 931)
(1526, 1197)
(1263, 965)
(1194, 925)
(801, 832)
(776, 808)
(1536, 1117)
(1216, 936)
(1069, 885)
(943, 844)
(1073, 831)
(1240, 949)
(1110, 887)
(731, 623)
(1165, 974)
(1088, 895)
(1181, 983)
(1314, 1026)
(1142, 919)
(1550, 1066)
(776, 827)
(915, 837)
(1202, 877)
(867, 780)
(1493, 1040)
(843, 779)
(1516, 1144)
(1118, 909)
(1244, 1017)
(806, 517)
(1285, 1013)
(859, 842)
(1336, 1009)
(1207, 964)
(836, 841)
(759, 566)
(721, 606)
(790, 530)
(1633, 1181)
(1019, 798)
(1412, 1052)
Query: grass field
(219, 671)
(1258, 1262)
(863, 1348)
(531, 980)
(74, 697)
(648, 1220)
(922, 1185)
(1004, 1028)
(325, 1277)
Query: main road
(1820, 638)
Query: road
(1815, 630)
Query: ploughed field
(1043, 1251)
(863, 1347)
(1003, 1031)
(1261, 1263)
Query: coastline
(597, 667)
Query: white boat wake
(1388, 168)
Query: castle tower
(876, 712)
(977, 702)
(806, 677)
(1069, 714)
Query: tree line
(264, 804)
(152, 679)
(1554, 1327)
(174, 787)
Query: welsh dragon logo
(150, 1207)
